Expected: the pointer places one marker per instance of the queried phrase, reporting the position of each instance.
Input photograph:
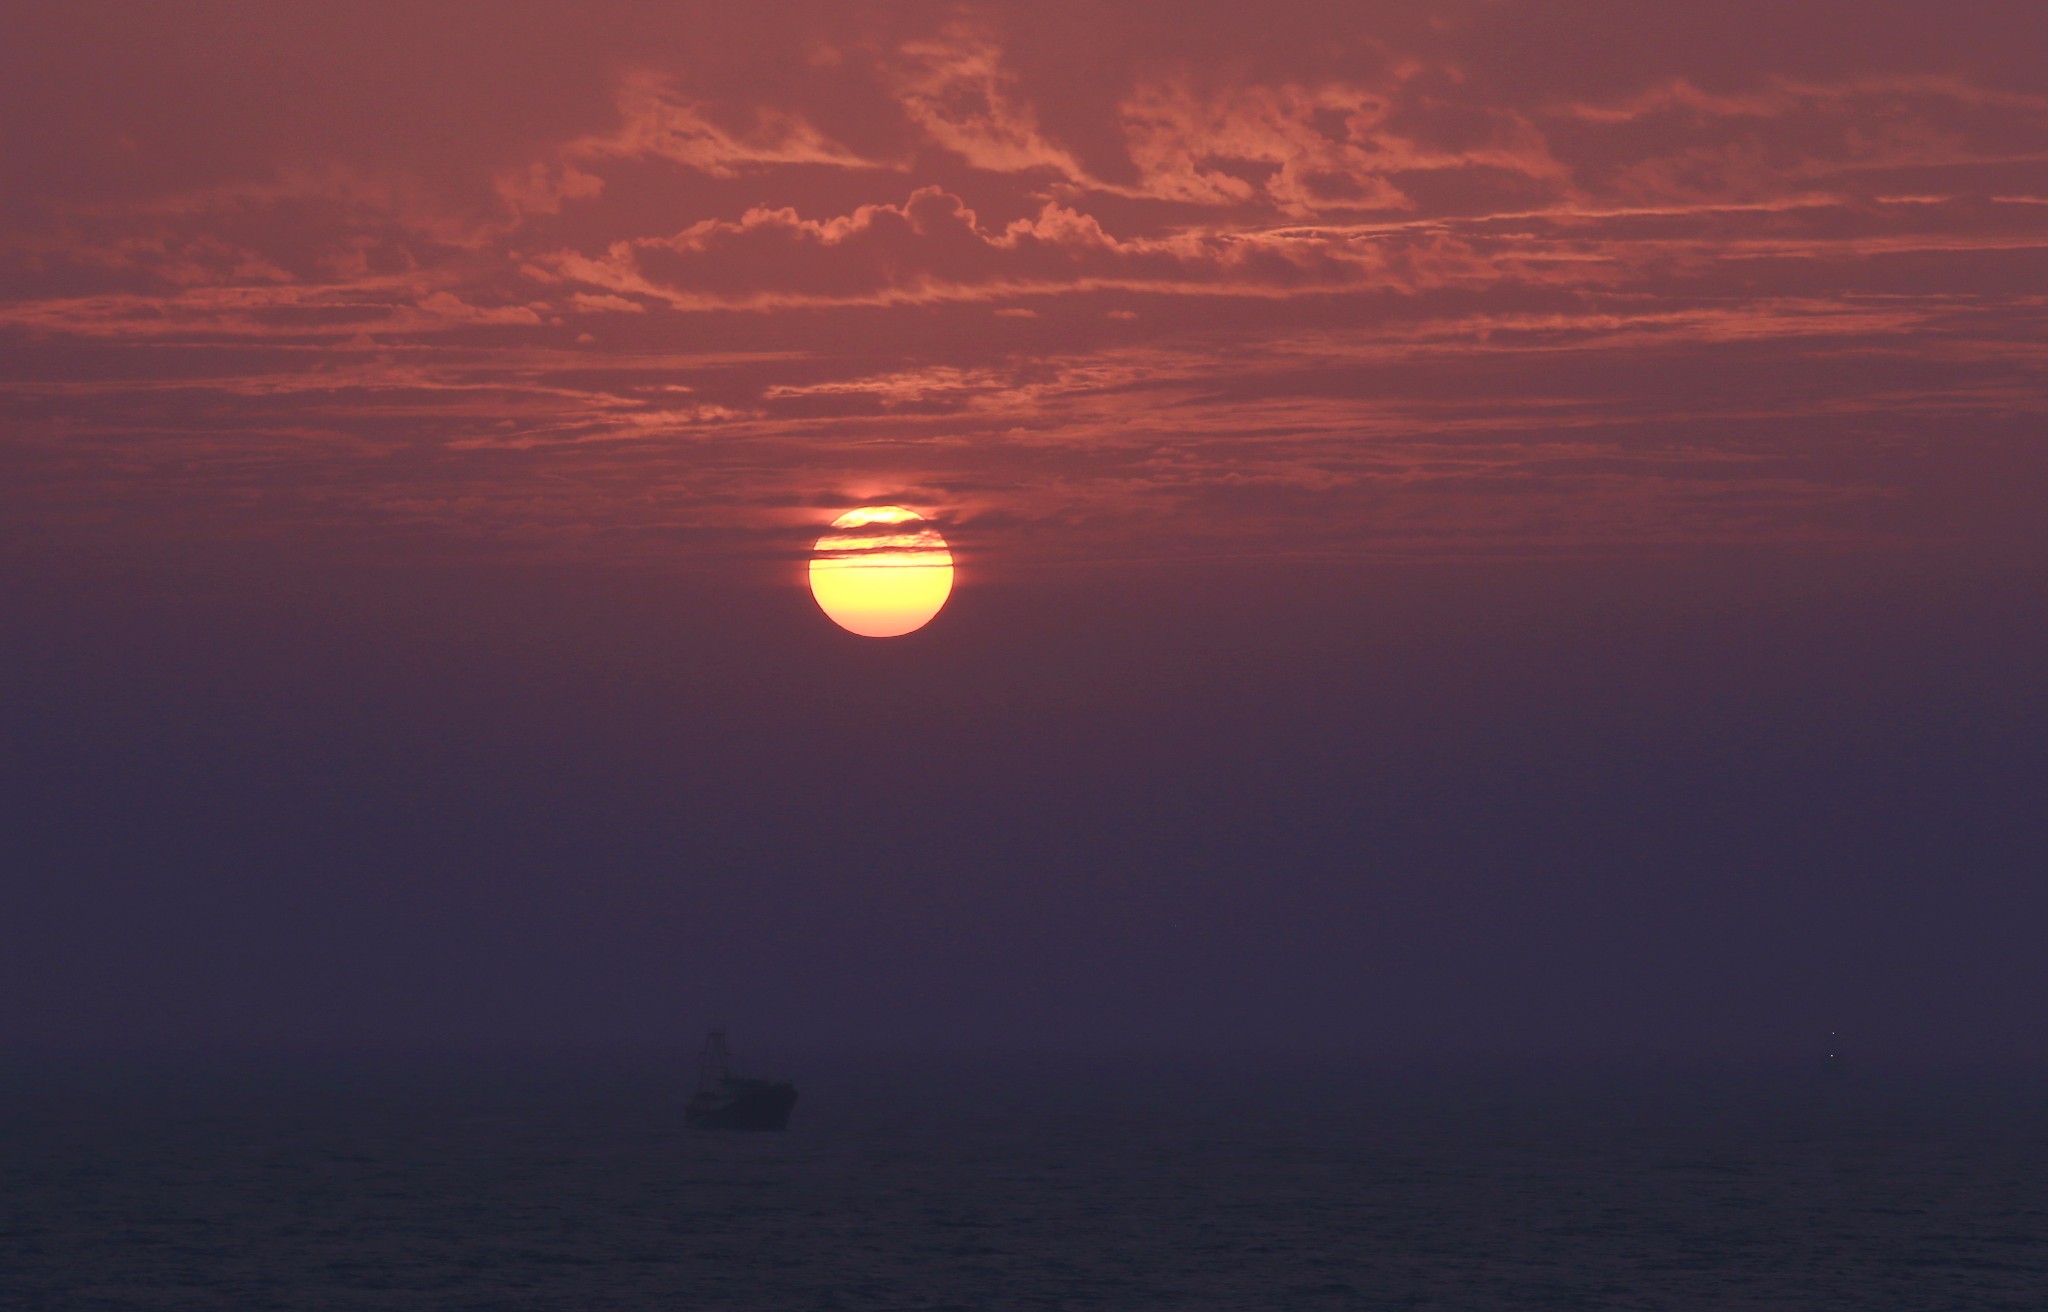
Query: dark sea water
(929, 1185)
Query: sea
(570, 1182)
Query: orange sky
(1086, 282)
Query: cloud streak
(1390, 299)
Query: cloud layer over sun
(1102, 280)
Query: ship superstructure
(725, 1101)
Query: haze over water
(977, 1183)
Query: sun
(881, 572)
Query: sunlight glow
(881, 571)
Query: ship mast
(714, 1068)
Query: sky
(1485, 527)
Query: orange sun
(881, 571)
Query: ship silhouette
(725, 1101)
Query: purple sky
(1483, 526)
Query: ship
(725, 1101)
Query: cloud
(451, 308)
(954, 86)
(658, 120)
(1405, 288)
(1304, 151)
(1674, 141)
(933, 248)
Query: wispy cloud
(1385, 302)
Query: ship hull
(751, 1109)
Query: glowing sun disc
(881, 571)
